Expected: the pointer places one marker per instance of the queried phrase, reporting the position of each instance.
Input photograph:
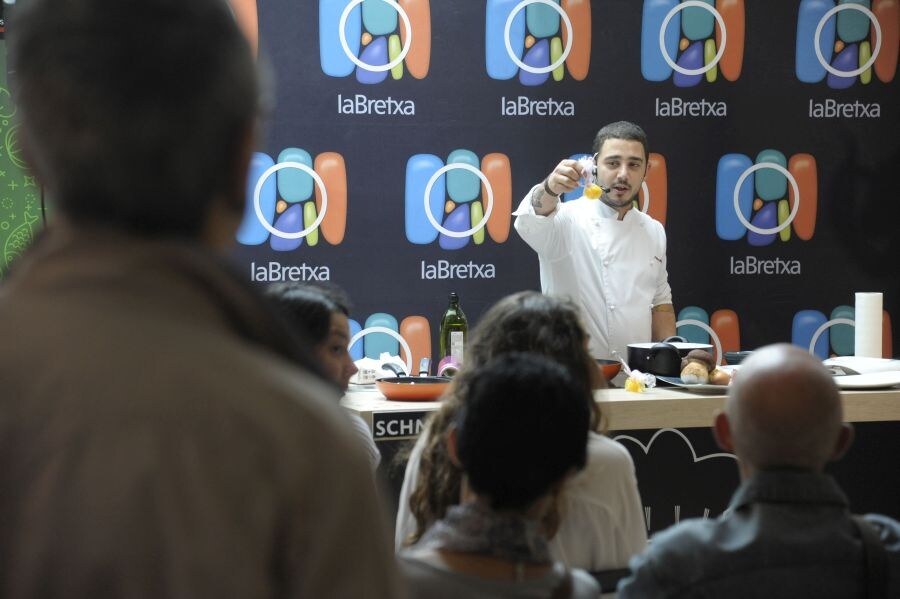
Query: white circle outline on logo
(821, 329)
(665, 24)
(262, 219)
(490, 200)
(708, 329)
(371, 67)
(791, 180)
(824, 19)
(537, 70)
(386, 331)
(646, 203)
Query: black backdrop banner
(405, 131)
(476, 88)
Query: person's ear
(450, 440)
(722, 431)
(845, 439)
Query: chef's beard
(619, 204)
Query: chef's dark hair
(522, 429)
(135, 113)
(621, 130)
(309, 308)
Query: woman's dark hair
(522, 428)
(309, 308)
(527, 321)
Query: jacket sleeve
(542, 233)
(642, 583)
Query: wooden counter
(655, 408)
(680, 470)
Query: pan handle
(393, 368)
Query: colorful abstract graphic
(694, 39)
(375, 37)
(295, 198)
(845, 42)
(382, 333)
(459, 200)
(834, 336)
(538, 39)
(766, 198)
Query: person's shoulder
(608, 452)
(601, 443)
(685, 540)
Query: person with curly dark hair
(599, 521)
(493, 543)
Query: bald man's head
(783, 409)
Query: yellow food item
(634, 385)
(593, 191)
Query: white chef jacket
(615, 271)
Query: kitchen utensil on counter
(393, 368)
(701, 388)
(662, 357)
(413, 388)
(424, 366)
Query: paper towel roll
(867, 334)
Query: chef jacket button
(612, 307)
(606, 263)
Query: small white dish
(870, 380)
(694, 388)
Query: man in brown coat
(156, 436)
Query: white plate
(871, 380)
(695, 388)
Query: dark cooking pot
(662, 357)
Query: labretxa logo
(769, 197)
(847, 42)
(692, 40)
(537, 40)
(374, 38)
(459, 201)
(294, 199)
